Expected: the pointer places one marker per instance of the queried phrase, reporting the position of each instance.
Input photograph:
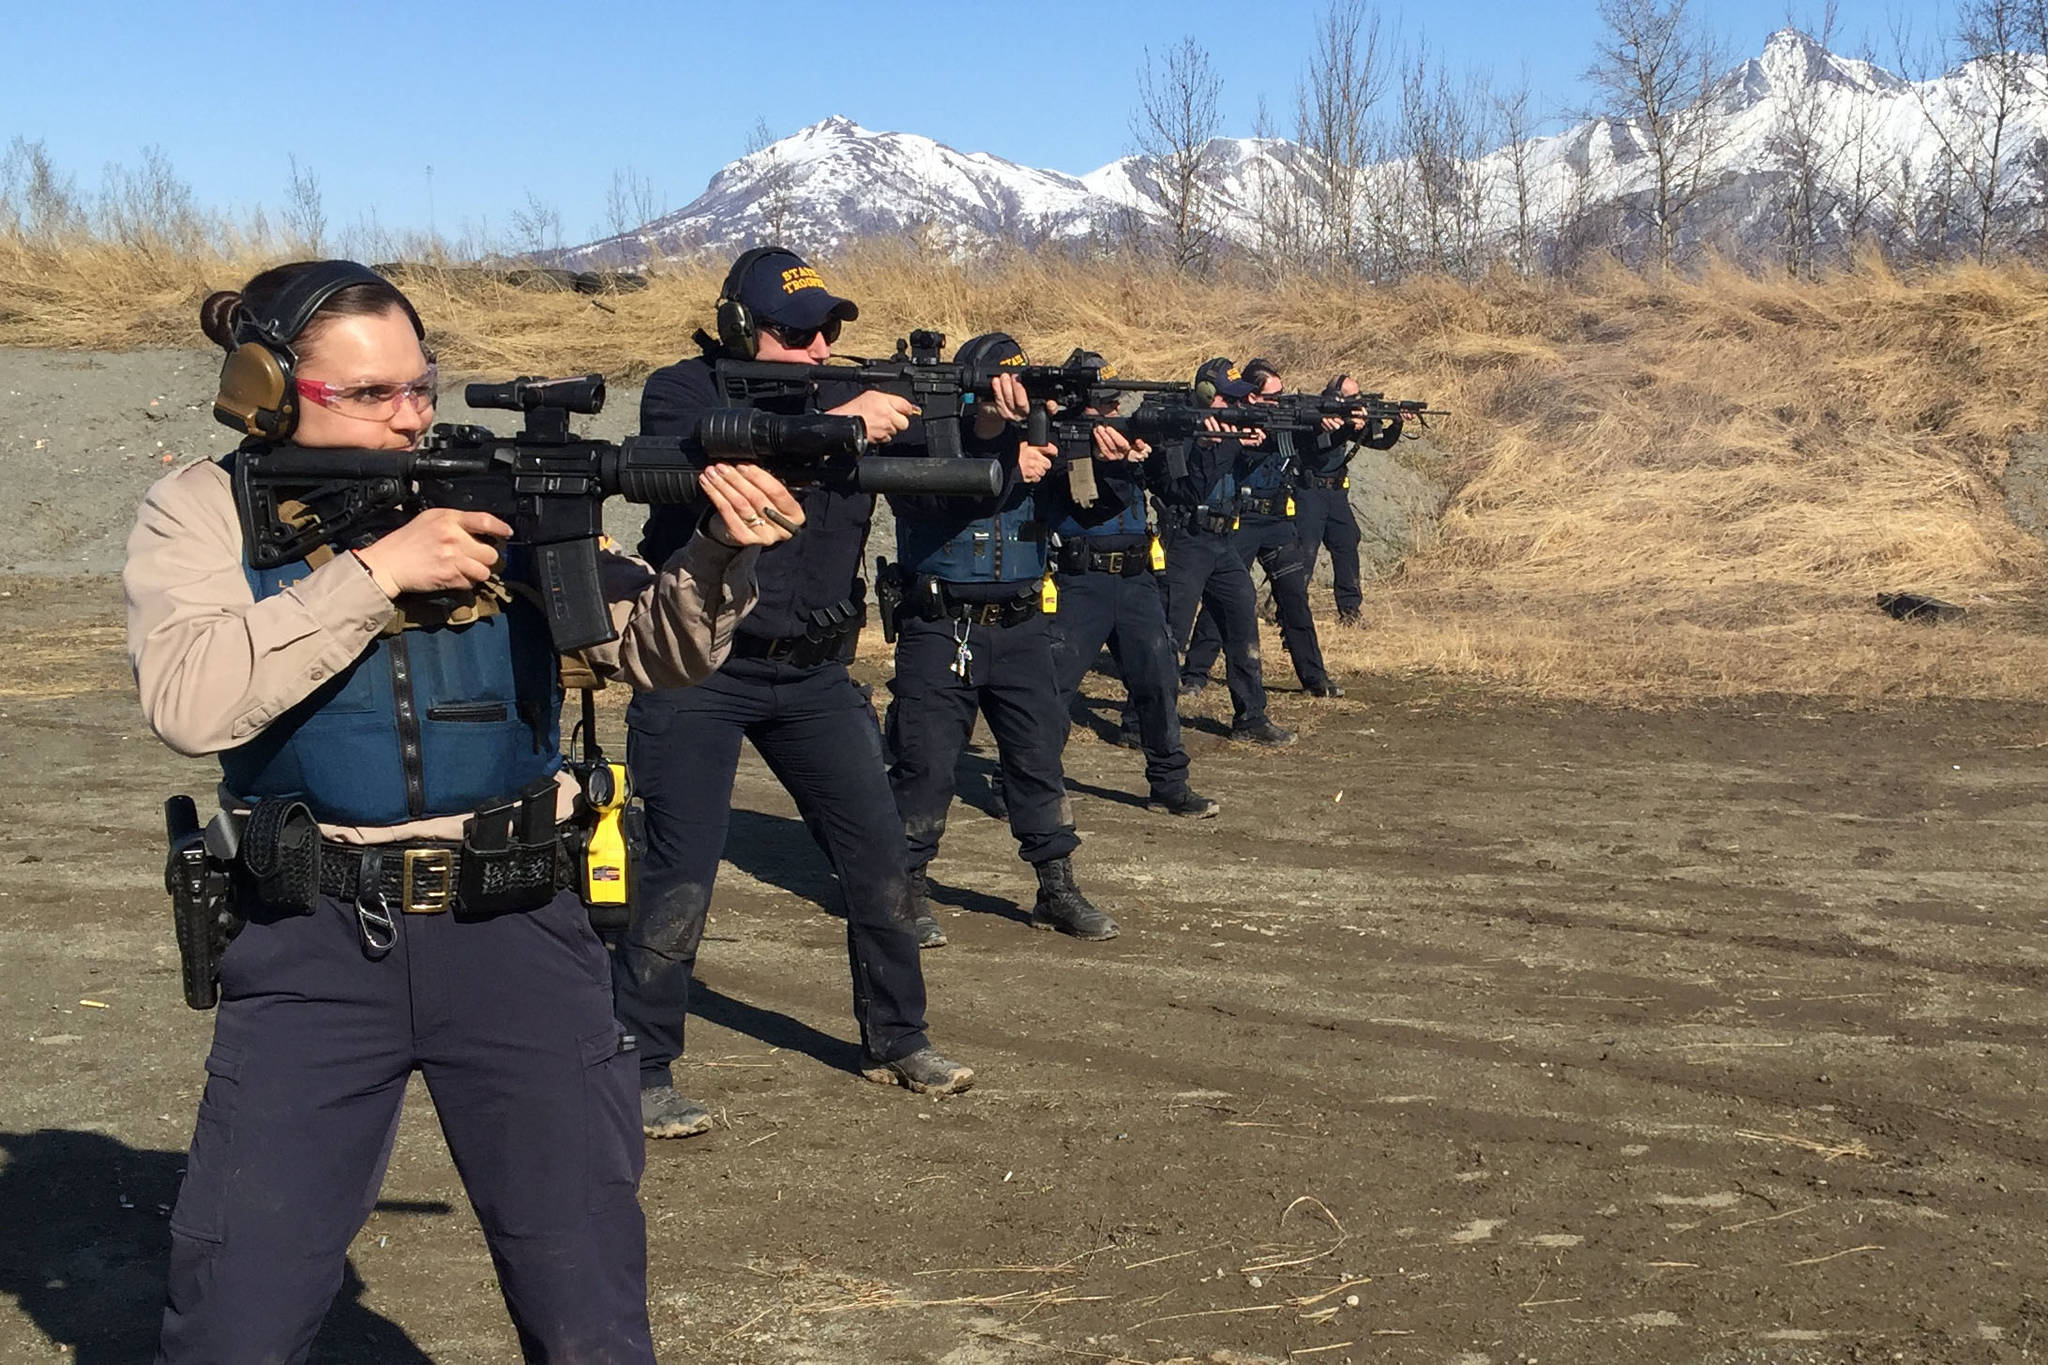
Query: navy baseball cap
(1224, 377)
(780, 288)
(990, 348)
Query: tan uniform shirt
(214, 665)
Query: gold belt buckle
(429, 881)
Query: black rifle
(943, 390)
(1305, 410)
(550, 486)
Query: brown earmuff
(739, 331)
(258, 395)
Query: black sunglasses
(800, 338)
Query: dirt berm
(1475, 1031)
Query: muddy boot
(1265, 732)
(667, 1114)
(1061, 905)
(1323, 687)
(924, 925)
(1351, 619)
(923, 1071)
(1182, 800)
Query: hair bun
(217, 317)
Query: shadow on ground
(88, 1239)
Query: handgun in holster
(202, 902)
(888, 596)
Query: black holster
(203, 915)
(888, 596)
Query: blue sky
(517, 96)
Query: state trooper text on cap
(780, 288)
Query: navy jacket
(817, 569)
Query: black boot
(998, 796)
(924, 925)
(1061, 905)
(1182, 800)
(1263, 732)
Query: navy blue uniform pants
(1129, 615)
(510, 1021)
(1011, 681)
(1323, 517)
(817, 734)
(1203, 570)
(1273, 544)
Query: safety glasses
(374, 402)
(800, 338)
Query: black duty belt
(1322, 480)
(424, 878)
(799, 651)
(1201, 519)
(1275, 506)
(1076, 557)
(932, 600)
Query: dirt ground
(1474, 1030)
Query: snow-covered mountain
(1879, 147)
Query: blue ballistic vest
(1211, 478)
(1119, 512)
(1126, 522)
(956, 546)
(423, 723)
(1329, 452)
(1275, 472)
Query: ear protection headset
(739, 331)
(258, 395)
(980, 351)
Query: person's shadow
(87, 1243)
(783, 853)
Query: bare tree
(1584, 227)
(304, 213)
(1387, 196)
(148, 208)
(1280, 206)
(776, 179)
(536, 227)
(1805, 150)
(1174, 123)
(1865, 169)
(1517, 121)
(1442, 135)
(1974, 113)
(1346, 78)
(1656, 66)
(37, 201)
(629, 206)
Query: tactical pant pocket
(615, 1149)
(201, 1210)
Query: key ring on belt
(373, 913)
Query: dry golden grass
(1673, 488)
